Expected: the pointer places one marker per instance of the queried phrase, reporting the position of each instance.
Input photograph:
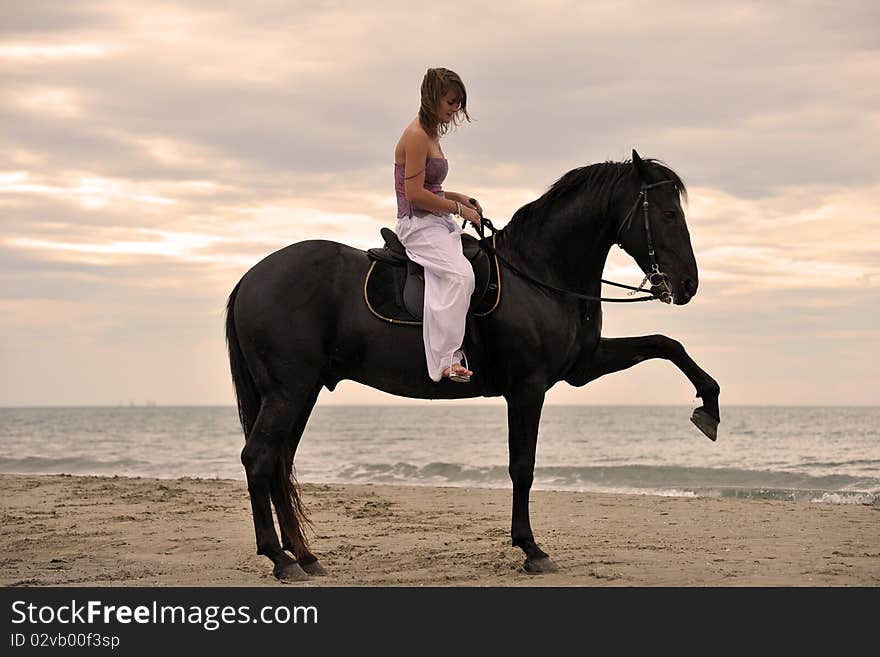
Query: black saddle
(394, 288)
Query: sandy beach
(59, 530)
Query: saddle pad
(384, 291)
(382, 287)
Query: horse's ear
(640, 166)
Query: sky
(151, 153)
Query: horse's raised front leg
(615, 354)
(523, 415)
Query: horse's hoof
(705, 423)
(290, 572)
(538, 566)
(314, 568)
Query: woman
(427, 225)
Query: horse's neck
(567, 252)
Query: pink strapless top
(436, 169)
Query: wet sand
(60, 530)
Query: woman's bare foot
(457, 369)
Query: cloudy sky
(151, 152)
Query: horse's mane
(598, 180)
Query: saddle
(394, 287)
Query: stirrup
(457, 358)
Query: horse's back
(301, 257)
(300, 270)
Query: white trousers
(434, 242)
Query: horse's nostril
(690, 287)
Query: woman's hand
(472, 202)
(471, 215)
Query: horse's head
(653, 230)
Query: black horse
(297, 322)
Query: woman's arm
(464, 200)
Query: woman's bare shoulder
(414, 138)
(414, 131)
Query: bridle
(656, 277)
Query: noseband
(655, 277)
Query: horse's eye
(669, 214)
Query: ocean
(805, 454)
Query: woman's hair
(436, 84)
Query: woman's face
(450, 103)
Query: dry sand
(99, 531)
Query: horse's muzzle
(680, 294)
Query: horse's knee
(522, 474)
(667, 345)
(664, 341)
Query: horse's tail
(248, 399)
(294, 527)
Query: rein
(655, 276)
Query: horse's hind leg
(260, 458)
(285, 495)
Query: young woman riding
(427, 224)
